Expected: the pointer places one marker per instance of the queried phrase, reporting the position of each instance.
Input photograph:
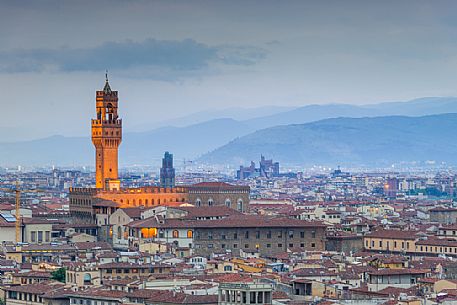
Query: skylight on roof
(8, 217)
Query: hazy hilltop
(311, 113)
(358, 141)
(195, 140)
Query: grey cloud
(240, 55)
(173, 59)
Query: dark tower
(167, 172)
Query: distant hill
(184, 142)
(136, 148)
(312, 113)
(193, 141)
(346, 141)
(235, 113)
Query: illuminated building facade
(90, 204)
(106, 137)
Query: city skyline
(228, 152)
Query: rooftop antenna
(106, 74)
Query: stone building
(344, 242)
(125, 270)
(249, 233)
(443, 215)
(219, 193)
(230, 233)
(245, 293)
(31, 294)
(81, 275)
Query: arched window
(119, 232)
(228, 268)
(190, 233)
(126, 233)
(210, 202)
(87, 279)
(228, 203)
(198, 202)
(239, 204)
(152, 232)
(144, 233)
(175, 234)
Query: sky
(169, 59)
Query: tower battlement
(106, 137)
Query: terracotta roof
(449, 227)
(397, 271)
(433, 241)
(239, 221)
(97, 293)
(393, 234)
(46, 247)
(280, 295)
(213, 211)
(125, 265)
(39, 288)
(106, 203)
(181, 298)
(34, 274)
(217, 185)
(58, 293)
(232, 278)
(313, 272)
(93, 246)
(108, 255)
(64, 226)
(134, 212)
(441, 209)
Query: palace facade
(108, 195)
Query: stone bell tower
(106, 136)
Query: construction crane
(17, 193)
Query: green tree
(58, 275)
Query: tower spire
(107, 88)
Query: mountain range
(321, 133)
(368, 142)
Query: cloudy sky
(172, 58)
